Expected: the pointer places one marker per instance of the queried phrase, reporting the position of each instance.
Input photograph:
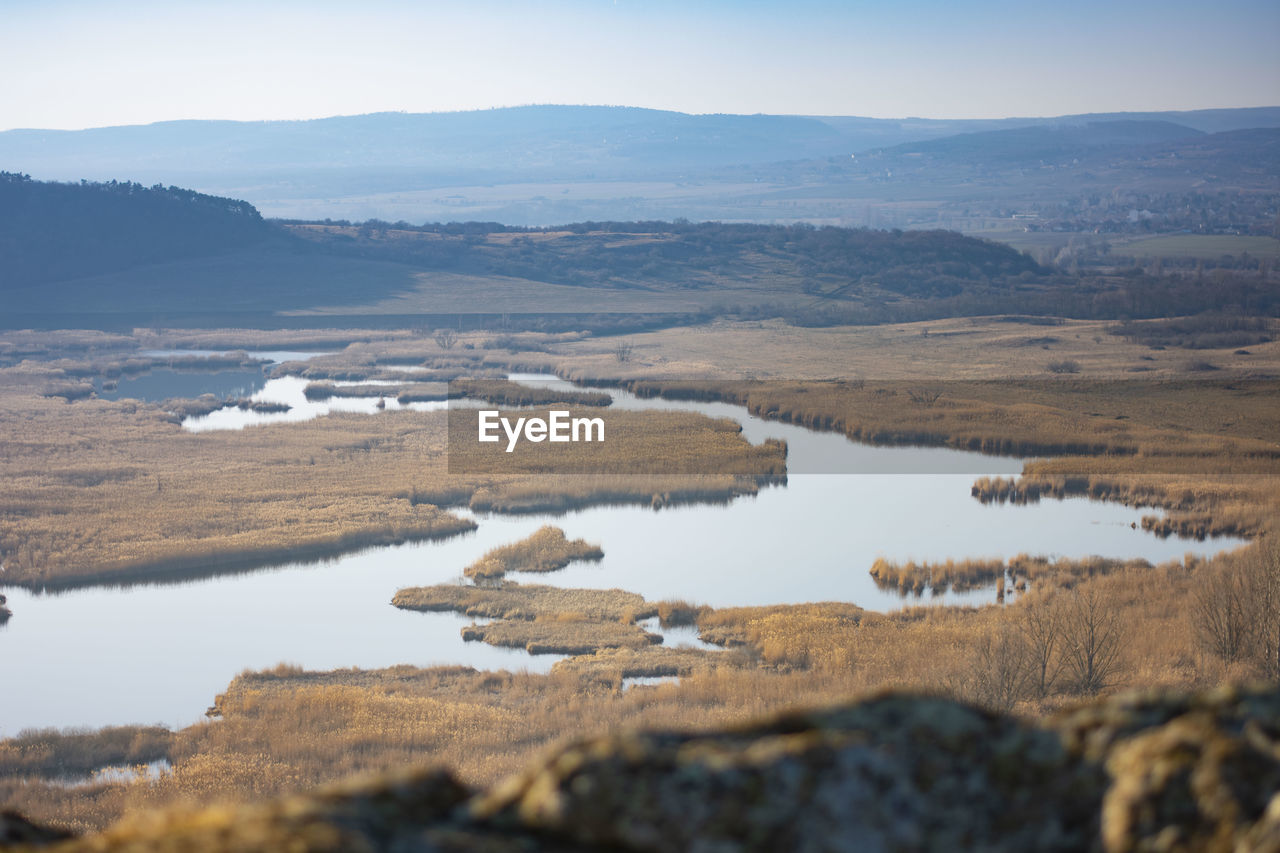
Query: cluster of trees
(1070, 641)
(1227, 211)
(54, 231)
(1204, 331)
(851, 275)
(832, 262)
(1237, 611)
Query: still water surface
(160, 652)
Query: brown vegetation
(546, 550)
(562, 635)
(117, 483)
(286, 730)
(53, 753)
(101, 491)
(504, 392)
(520, 601)
(911, 578)
(405, 393)
(666, 443)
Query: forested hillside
(120, 254)
(684, 255)
(54, 231)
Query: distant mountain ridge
(533, 142)
(542, 165)
(1057, 141)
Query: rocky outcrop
(1148, 771)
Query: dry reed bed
(99, 491)
(53, 753)
(546, 550)
(1206, 450)
(566, 492)
(504, 392)
(285, 730)
(407, 392)
(609, 666)
(562, 635)
(1238, 497)
(206, 403)
(963, 575)
(521, 601)
(664, 443)
(1175, 420)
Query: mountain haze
(541, 165)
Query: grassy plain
(1206, 246)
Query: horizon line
(816, 116)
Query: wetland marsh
(813, 538)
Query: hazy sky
(87, 63)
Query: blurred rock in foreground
(1140, 771)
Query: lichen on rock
(1139, 771)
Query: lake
(160, 652)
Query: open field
(962, 348)
(1206, 246)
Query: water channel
(159, 653)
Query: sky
(91, 63)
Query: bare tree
(1221, 611)
(1092, 635)
(446, 338)
(1001, 669)
(1263, 585)
(623, 351)
(1041, 626)
(1236, 609)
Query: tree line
(56, 231)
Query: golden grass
(103, 468)
(546, 550)
(912, 578)
(521, 601)
(100, 491)
(941, 350)
(409, 392)
(54, 753)
(285, 730)
(609, 666)
(668, 443)
(563, 635)
(504, 392)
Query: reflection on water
(163, 384)
(290, 391)
(160, 653)
(274, 356)
(190, 380)
(152, 771)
